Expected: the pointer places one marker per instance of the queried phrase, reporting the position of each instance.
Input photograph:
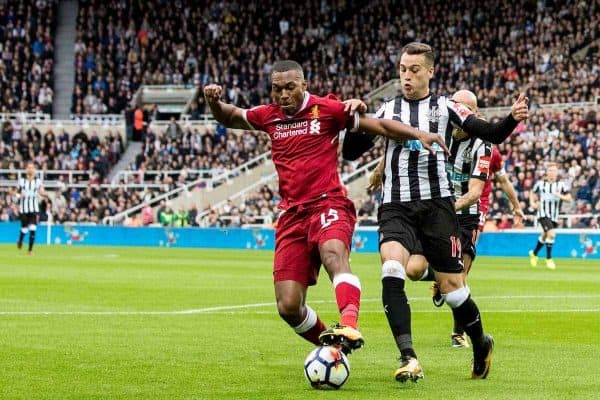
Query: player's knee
(457, 297)
(449, 282)
(415, 268)
(393, 269)
(23, 230)
(289, 308)
(334, 260)
(32, 228)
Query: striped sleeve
(458, 113)
(381, 111)
(481, 161)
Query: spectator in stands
(26, 55)
(167, 216)
(138, 123)
(344, 58)
(147, 215)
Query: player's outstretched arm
(472, 196)
(565, 197)
(399, 131)
(43, 192)
(491, 132)
(510, 192)
(227, 114)
(375, 180)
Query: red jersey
(496, 165)
(304, 147)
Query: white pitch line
(230, 309)
(433, 310)
(224, 312)
(223, 308)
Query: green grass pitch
(159, 323)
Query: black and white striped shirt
(469, 159)
(549, 202)
(29, 191)
(411, 172)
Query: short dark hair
(419, 48)
(287, 65)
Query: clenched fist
(212, 93)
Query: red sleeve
(336, 107)
(496, 163)
(256, 116)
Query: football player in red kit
(318, 221)
(497, 173)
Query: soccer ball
(326, 367)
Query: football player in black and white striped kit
(547, 196)
(30, 188)
(418, 207)
(469, 167)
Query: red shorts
(300, 232)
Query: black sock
(21, 236)
(549, 249)
(430, 275)
(538, 247)
(397, 311)
(31, 239)
(458, 329)
(467, 315)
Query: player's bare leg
(394, 258)
(291, 305)
(335, 258)
(418, 269)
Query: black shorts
(547, 224)
(469, 225)
(427, 227)
(28, 219)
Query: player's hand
(212, 93)
(520, 109)
(518, 217)
(375, 180)
(353, 105)
(428, 139)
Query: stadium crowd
(190, 150)
(27, 55)
(347, 48)
(87, 205)
(569, 138)
(493, 50)
(50, 151)
(572, 140)
(257, 208)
